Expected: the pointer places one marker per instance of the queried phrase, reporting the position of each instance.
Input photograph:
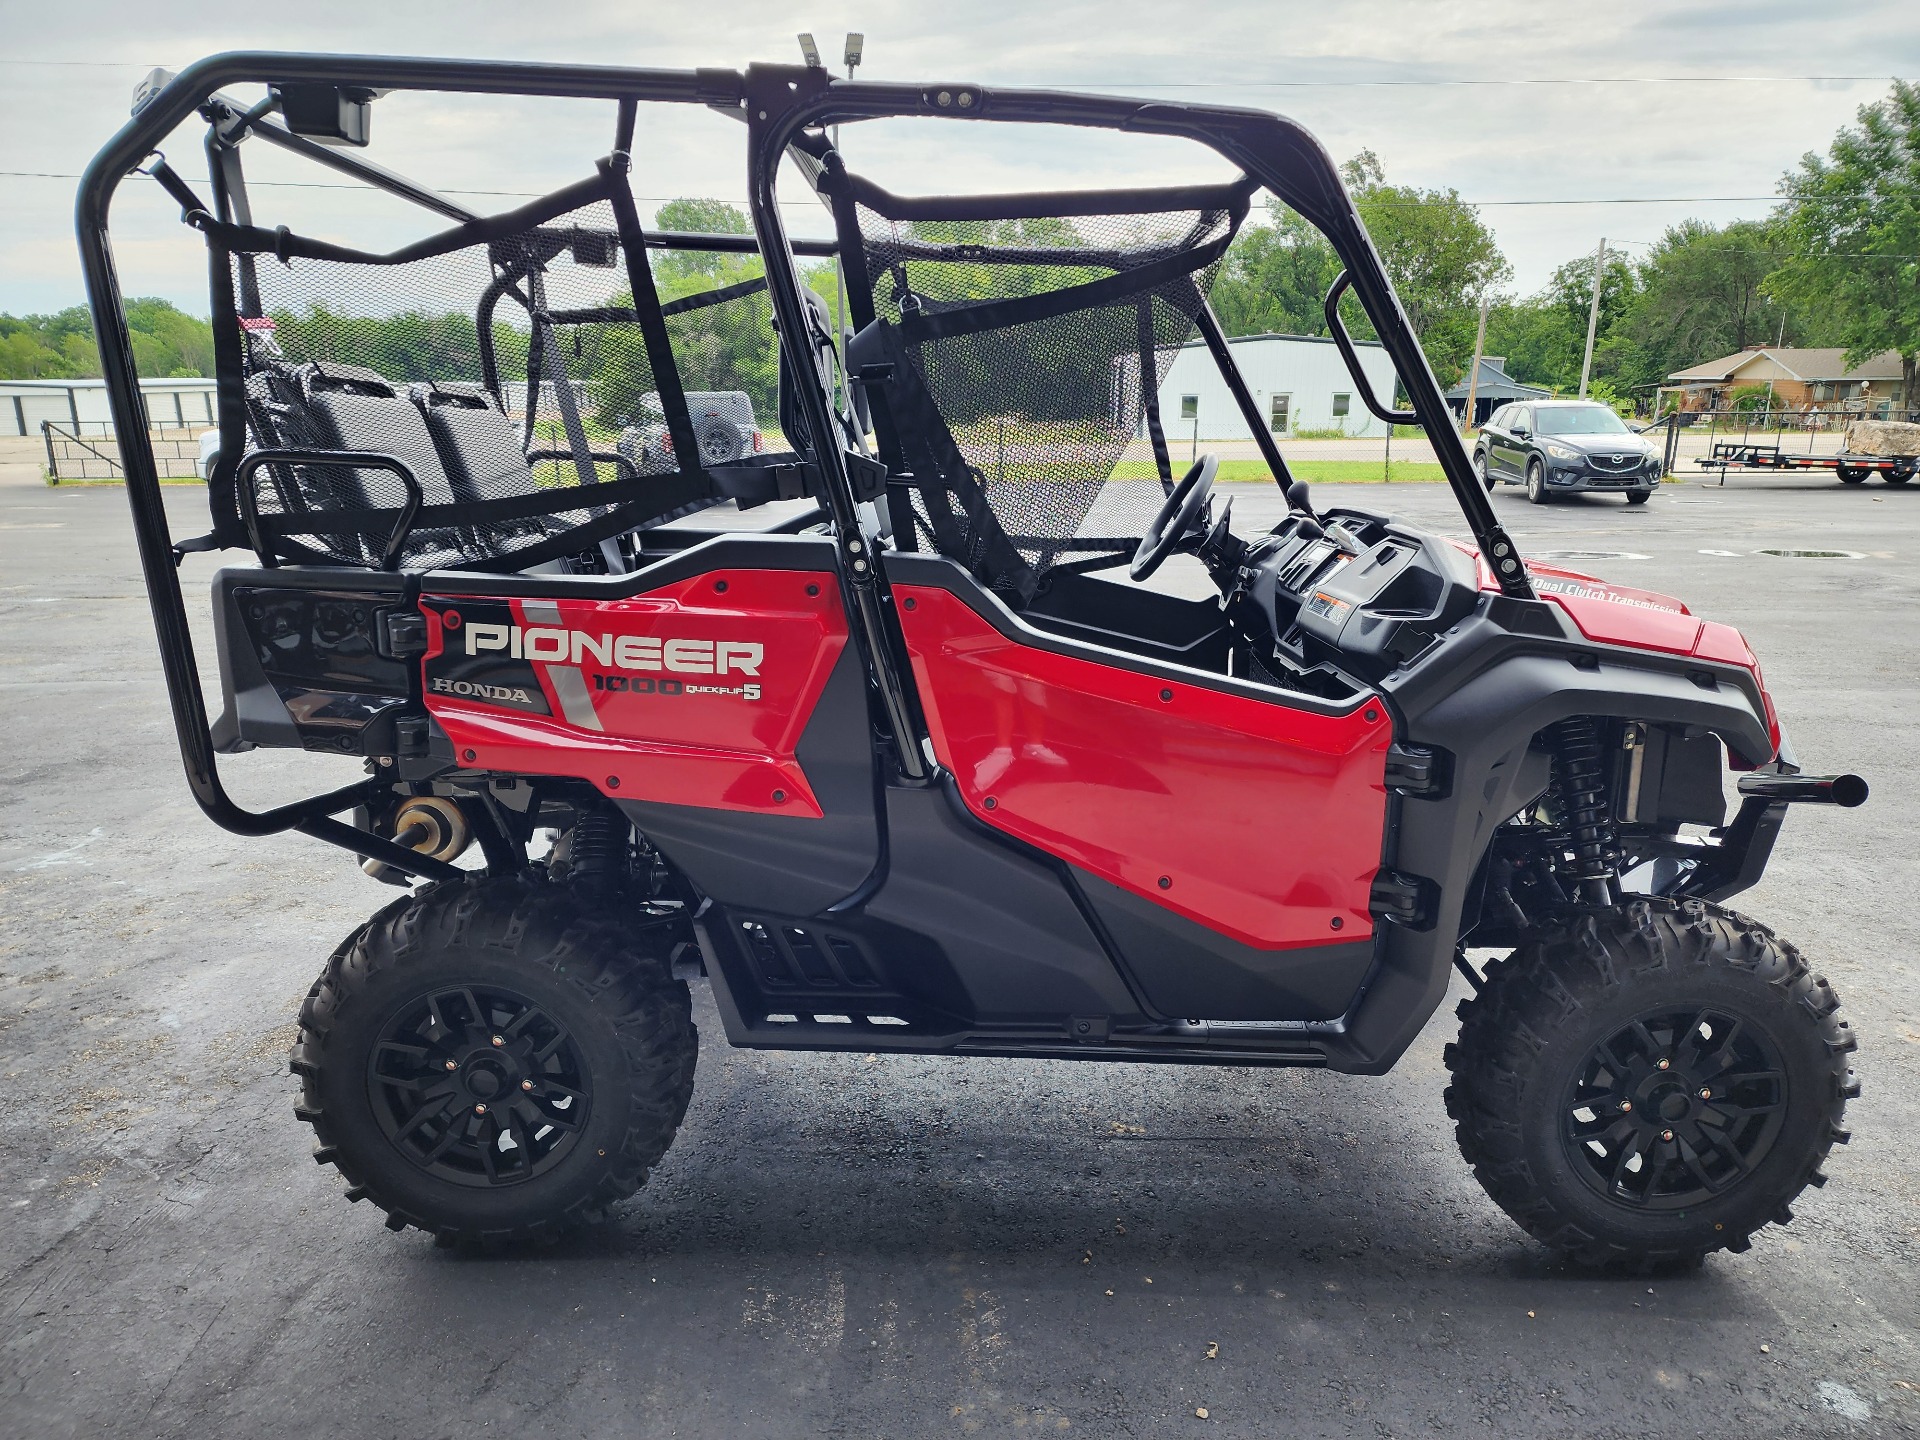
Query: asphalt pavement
(859, 1246)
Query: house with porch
(1796, 379)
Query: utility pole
(1593, 313)
(1473, 375)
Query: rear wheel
(1537, 483)
(1648, 1085)
(1902, 472)
(494, 1060)
(1480, 470)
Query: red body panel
(1644, 620)
(1265, 821)
(672, 723)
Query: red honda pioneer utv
(909, 768)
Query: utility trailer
(1852, 469)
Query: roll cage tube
(193, 88)
(770, 127)
(784, 100)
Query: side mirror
(1520, 432)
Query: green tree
(1699, 297)
(1570, 292)
(1534, 338)
(1850, 230)
(1439, 255)
(1275, 277)
(166, 342)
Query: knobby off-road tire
(557, 1018)
(1577, 1024)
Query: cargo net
(1027, 353)
(511, 377)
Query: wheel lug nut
(1626, 1105)
(498, 1041)
(1705, 1093)
(526, 1084)
(453, 1065)
(1666, 1134)
(1663, 1064)
(479, 1109)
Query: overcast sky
(1386, 75)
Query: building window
(1189, 407)
(1341, 404)
(1277, 409)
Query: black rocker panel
(1188, 972)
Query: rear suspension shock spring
(594, 851)
(1581, 781)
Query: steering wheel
(1176, 520)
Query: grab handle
(1338, 329)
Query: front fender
(1481, 695)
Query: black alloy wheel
(1852, 474)
(498, 1059)
(477, 1085)
(1537, 482)
(1673, 1108)
(1641, 1086)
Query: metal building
(80, 406)
(1299, 382)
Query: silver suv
(723, 427)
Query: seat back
(478, 446)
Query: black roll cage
(786, 109)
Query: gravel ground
(852, 1246)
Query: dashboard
(1354, 591)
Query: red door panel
(1254, 819)
(693, 694)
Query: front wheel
(1639, 497)
(1537, 483)
(496, 1060)
(1852, 474)
(1647, 1085)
